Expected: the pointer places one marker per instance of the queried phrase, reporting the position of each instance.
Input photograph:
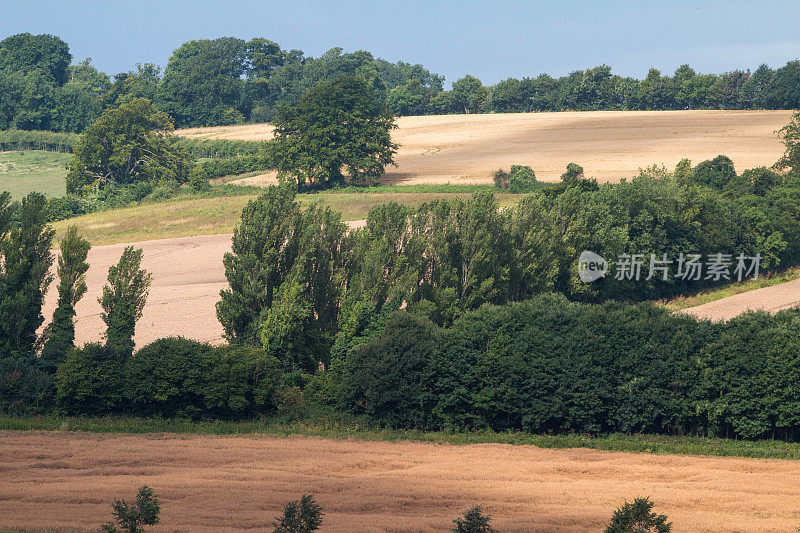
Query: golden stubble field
(610, 145)
(67, 480)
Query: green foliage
(521, 179)
(13, 139)
(264, 249)
(123, 300)
(90, 381)
(338, 129)
(125, 145)
(230, 166)
(638, 517)
(468, 95)
(790, 134)
(573, 174)
(716, 173)
(203, 82)
(133, 518)
(390, 377)
(198, 179)
(474, 521)
(24, 388)
(285, 276)
(219, 148)
(177, 377)
(25, 262)
(302, 516)
(44, 54)
(72, 267)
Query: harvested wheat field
(609, 144)
(206, 483)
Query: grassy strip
(731, 289)
(343, 427)
(187, 216)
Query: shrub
(715, 173)
(303, 516)
(65, 207)
(198, 179)
(11, 140)
(501, 179)
(132, 518)
(24, 388)
(166, 378)
(521, 179)
(390, 377)
(638, 517)
(474, 521)
(239, 381)
(90, 382)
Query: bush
(303, 516)
(239, 382)
(132, 518)
(24, 388)
(638, 517)
(521, 179)
(12, 140)
(218, 148)
(474, 521)
(715, 173)
(166, 378)
(90, 382)
(65, 207)
(390, 377)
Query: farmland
(609, 144)
(34, 170)
(207, 483)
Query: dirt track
(770, 299)
(609, 144)
(225, 483)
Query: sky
(490, 40)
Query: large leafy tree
(127, 144)
(45, 54)
(468, 95)
(203, 81)
(339, 129)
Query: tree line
(210, 82)
(438, 317)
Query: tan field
(67, 480)
(610, 145)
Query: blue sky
(492, 40)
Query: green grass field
(182, 217)
(33, 170)
(345, 427)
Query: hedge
(50, 141)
